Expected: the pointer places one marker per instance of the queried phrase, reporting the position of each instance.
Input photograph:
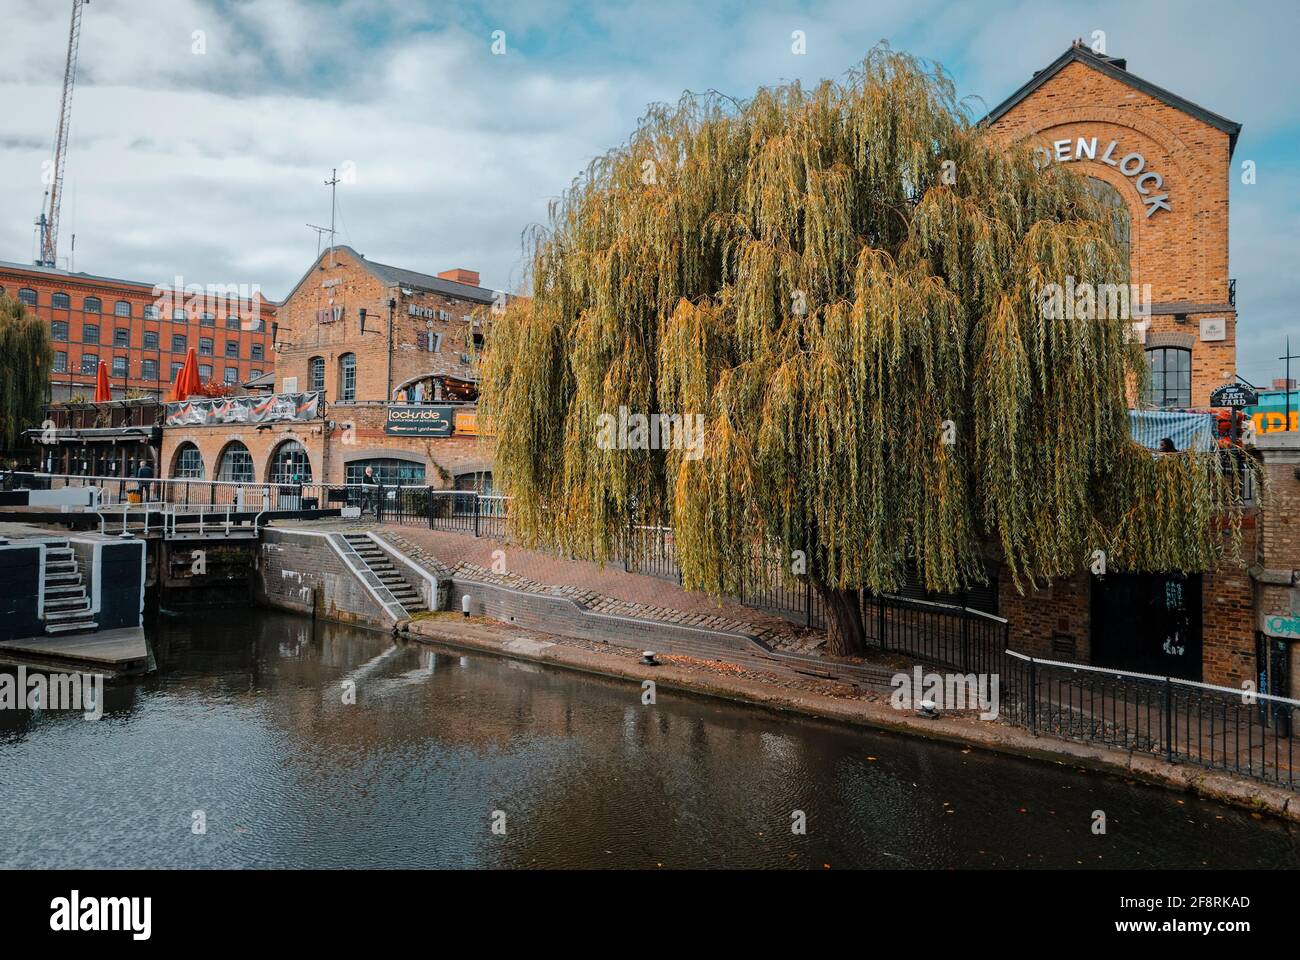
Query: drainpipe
(392, 305)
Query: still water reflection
(246, 722)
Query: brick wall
(1181, 252)
(252, 336)
(300, 571)
(1035, 617)
(321, 318)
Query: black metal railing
(1180, 721)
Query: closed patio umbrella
(102, 393)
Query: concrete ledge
(502, 640)
(566, 617)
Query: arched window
(235, 464)
(60, 301)
(316, 374)
(122, 309)
(188, 463)
(1171, 377)
(389, 470)
(347, 378)
(91, 305)
(1121, 222)
(28, 296)
(290, 462)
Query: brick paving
(607, 589)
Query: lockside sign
(419, 420)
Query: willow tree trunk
(846, 635)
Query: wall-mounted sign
(1281, 626)
(1234, 395)
(278, 408)
(1131, 165)
(469, 424)
(427, 313)
(1214, 328)
(418, 420)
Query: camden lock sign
(1234, 396)
(1132, 165)
(418, 420)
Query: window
(390, 471)
(316, 379)
(257, 354)
(151, 339)
(59, 330)
(121, 337)
(178, 343)
(232, 323)
(1120, 221)
(1171, 377)
(61, 361)
(27, 296)
(178, 314)
(89, 364)
(205, 372)
(289, 462)
(61, 301)
(205, 346)
(151, 311)
(348, 378)
(188, 463)
(149, 369)
(119, 366)
(235, 464)
(121, 309)
(232, 349)
(90, 333)
(480, 483)
(91, 305)
(232, 374)
(176, 368)
(254, 374)
(207, 320)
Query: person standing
(144, 473)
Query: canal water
(245, 731)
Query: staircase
(67, 608)
(378, 562)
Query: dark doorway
(1148, 623)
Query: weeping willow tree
(847, 283)
(25, 361)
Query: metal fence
(1181, 721)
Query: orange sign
(467, 424)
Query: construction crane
(49, 219)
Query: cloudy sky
(204, 154)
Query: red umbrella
(187, 378)
(102, 393)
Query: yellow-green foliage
(799, 269)
(25, 361)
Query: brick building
(1163, 164)
(142, 331)
(391, 352)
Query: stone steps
(67, 608)
(381, 565)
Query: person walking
(370, 491)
